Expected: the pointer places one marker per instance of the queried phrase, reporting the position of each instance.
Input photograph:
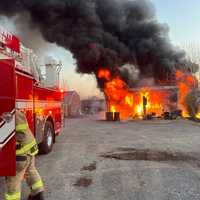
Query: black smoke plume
(106, 34)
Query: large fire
(186, 83)
(136, 103)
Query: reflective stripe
(37, 185)
(35, 153)
(7, 131)
(34, 150)
(26, 148)
(14, 196)
(21, 127)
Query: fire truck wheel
(47, 144)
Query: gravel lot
(130, 160)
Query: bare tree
(193, 53)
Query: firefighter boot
(39, 196)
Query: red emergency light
(9, 40)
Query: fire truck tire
(46, 146)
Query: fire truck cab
(22, 86)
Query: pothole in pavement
(83, 182)
(147, 155)
(91, 167)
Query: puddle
(90, 167)
(147, 155)
(83, 182)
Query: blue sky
(183, 18)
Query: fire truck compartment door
(7, 118)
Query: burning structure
(103, 36)
(151, 100)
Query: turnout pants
(25, 168)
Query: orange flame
(186, 83)
(198, 115)
(112, 109)
(104, 73)
(129, 102)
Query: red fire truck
(22, 86)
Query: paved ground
(152, 160)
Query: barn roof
(69, 95)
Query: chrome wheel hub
(49, 138)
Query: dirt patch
(83, 182)
(90, 167)
(147, 154)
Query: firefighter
(26, 149)
(144, 99)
